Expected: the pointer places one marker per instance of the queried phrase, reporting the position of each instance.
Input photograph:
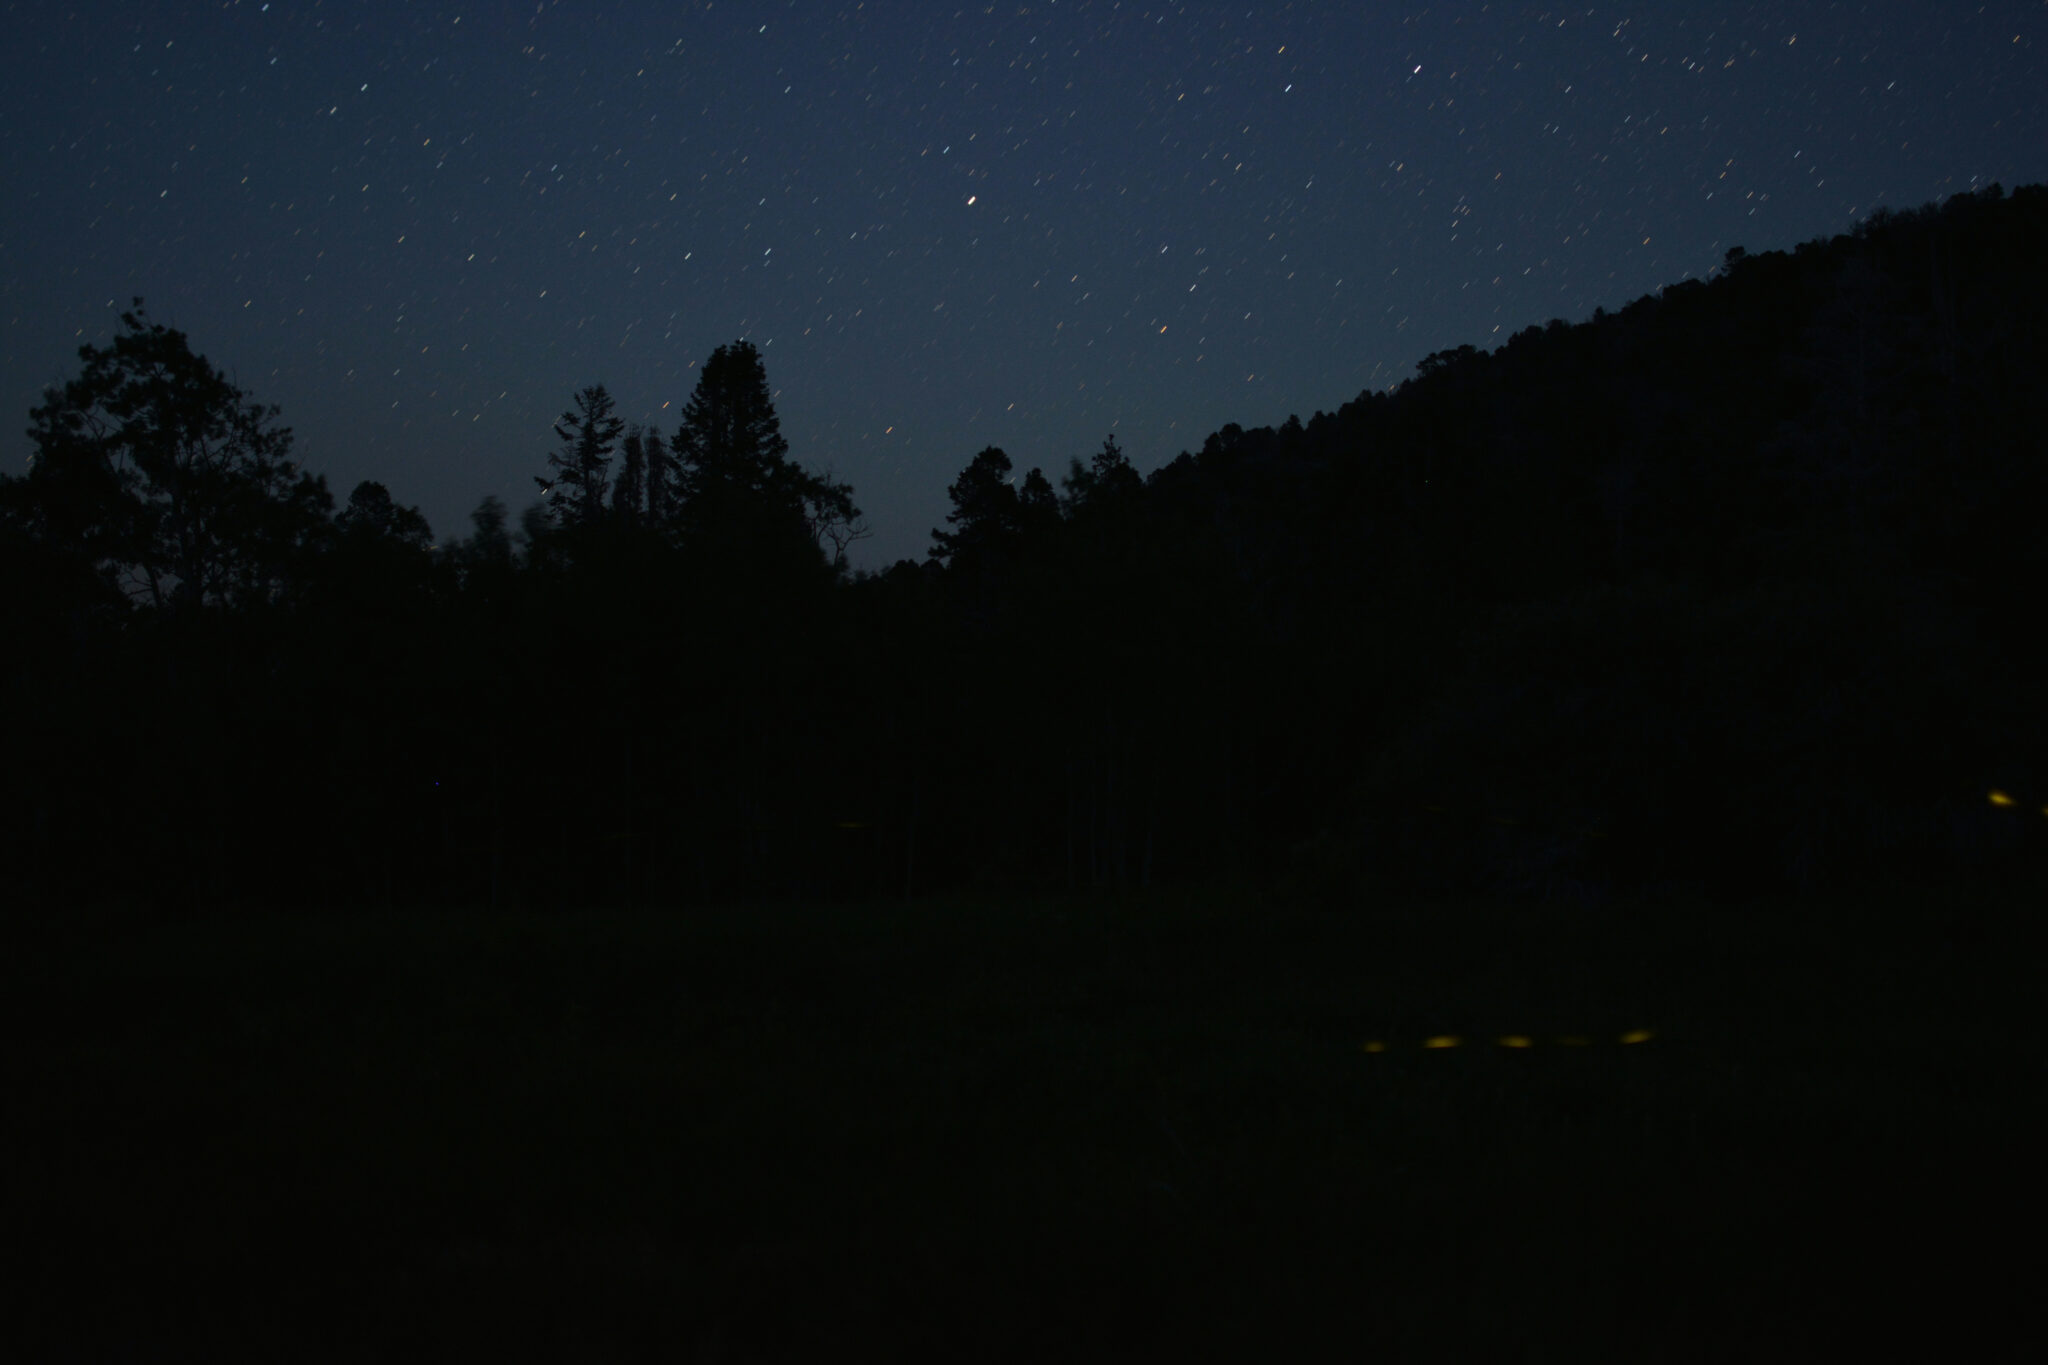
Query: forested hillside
(1735, 588)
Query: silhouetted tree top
(1440, 362)
(157, 469)
(730, 439)
(379, 554)
(1107, 480)
(1037, 504)
(986, 509)
(485, 555)
(589, 433)
(371, 514)
(832, 516)
(733, 479)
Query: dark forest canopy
(1729, 588)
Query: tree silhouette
(379, 552)
(540, 540)
(730, 445)
(987, 513)
(488, 542)
(372, 515)
(1108, 479)
(831, 515)
(1038, 507)
(1731, 587)
(735, 484)
(161, 472)
(629, 490)
(576, 493)
(662, 478)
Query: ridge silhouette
(1730, 586)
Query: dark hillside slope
(1730, 585)
(1799, 644)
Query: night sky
(419, 229)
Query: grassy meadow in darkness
(1025, 1130)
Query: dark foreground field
(1052, 1131)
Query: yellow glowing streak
(1999, 798)
(1510, 1040)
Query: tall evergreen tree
(629, 491)
(730, 441)
(589, 434)
(733, 476)
(662, 479)
(987, 513)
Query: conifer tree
(629, 490)
(589, 434)
(662, 479)
(730, 440)
(733, 475)
(986, 513)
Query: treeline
(1734, 588)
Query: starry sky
(420, 228)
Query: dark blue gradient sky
(420, 228)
